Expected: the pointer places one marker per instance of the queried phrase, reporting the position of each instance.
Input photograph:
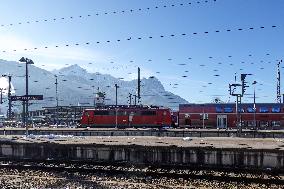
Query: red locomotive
(126, 117)
(260, 116)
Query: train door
(91, 118)
(130, 119)
(187, 120)
(222, 121)
(122, 118)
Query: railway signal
(244, 86)
(232, 90)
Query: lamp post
(254, 106)
(26, 102)
(94, 96)
(203, 126)
(116, 87)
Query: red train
(211, 115)
(262, 116)
(126, 117)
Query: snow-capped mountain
(77, 86)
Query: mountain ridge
(77, 85)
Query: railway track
(238, 176)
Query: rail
(233, 175)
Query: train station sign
(27, 97)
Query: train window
(252, 123)
(243, 123)
(148, 113)
(263, 123)
(219, 109)
(101, 112)
(111, 113)
(275, 123)
(133, 113)
(122, 113)
(204, 116)
(263, 109)
(276, 110)
(241, 110)
(228, 110)
(250, 110)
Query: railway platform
(145, 132)
(221, 153)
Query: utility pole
(94, 95)
(116, 109)
(56, 96)
(97, 97)
(130, 96)
(135, 100)
(139, 85)
(116, 87)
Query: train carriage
(223, 116)
(126, 117)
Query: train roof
(137, 107)
(229, 104)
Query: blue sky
(240, 51)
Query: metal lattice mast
(278, 83)
(9, 98)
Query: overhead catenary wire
(216, 74)
(209, 57)
(137, 38)
(100, 13)
(201, 91)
